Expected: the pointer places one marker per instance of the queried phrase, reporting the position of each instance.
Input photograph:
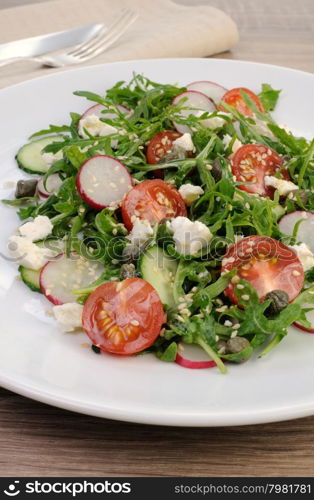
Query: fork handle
(12, 60)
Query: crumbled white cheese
(235, 146)
(213, 122)
(189, 237)
(68, 316)
(95, 127)
(141, 232)
(38, 229)
(185, 142)
(305, 255)
(190, 193)
(284, 187)
(48, 158)
(27, 254)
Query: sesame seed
(222, 309)
(180, 318)
(217, 338)
(296, 273)
(236, 325)
(228, 323)
(240, 287)
(119, 286)
(134, 322)
(235, 279)
(245, 297)
(234, 334)
(186, 312)
(183, 305)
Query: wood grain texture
(38, 440)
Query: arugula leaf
(269, 97)
(200, 331)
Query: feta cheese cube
(38, 229)
(185, 142)
(284, 187)
(304, 255)
(141, 232)
(189, 237)
(95, 127)
(190, 193)
(213, 122)
(68, 316)
(27, 254)
(50, 158)
(235, 146)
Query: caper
(127, 271)
(221, 346)
(279, 301)
(237, 344)
(131, 252)
(216, 171)
(176, 153)
(25, 188)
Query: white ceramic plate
(38, 361)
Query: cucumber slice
(159, 270)
(30, 276)
(29, 156)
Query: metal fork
(87, 50)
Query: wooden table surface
(38, 440)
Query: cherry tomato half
(267, 264)
(251, 163)
(160, 144)
(234, 98)
(123, 317)
(152, 200)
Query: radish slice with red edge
(59, 277)
(305, 232)
(192, 356)
(97, 110)
(192, 99)
(309, 317)
(53, 185)
(212, 90)
(102, 181)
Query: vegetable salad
(171, 220)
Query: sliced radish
(309, 317)
(198, 103)
(98, 109)
(306, 228)
(59, 277)
(103, 180)
(211, 89)
(53, 185)
(192, 356)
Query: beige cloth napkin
(163, 29)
